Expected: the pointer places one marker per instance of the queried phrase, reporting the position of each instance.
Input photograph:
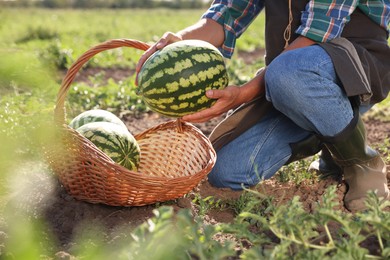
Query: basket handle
(59, 112)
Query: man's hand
(228, 98)
(165, 40)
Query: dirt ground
(63, 214)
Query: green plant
(250, 201)
(180, 236)
(55, 54)
(297, 172)
(301, 234)
(204, 205)
(38, 33)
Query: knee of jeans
(287, 86)
(278, 78)
(222, 180)
(214, 180)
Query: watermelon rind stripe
(115, 141)
(168, 72)
(220, 83)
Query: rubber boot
(326, 166)
(304, 148)
(363, 168)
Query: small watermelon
(115, 141)
(95, 115)
(174, 80)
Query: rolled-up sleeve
(324, 20)
(235, 16)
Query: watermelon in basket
(109, 134)
(95, 115)
(175, 156)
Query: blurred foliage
(175, 4)
(60, 36)
(380, 111)
(26, 100)
(27, 91)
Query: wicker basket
(175, 156)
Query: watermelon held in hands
(174, 80)
(115, 141)
(95, 115)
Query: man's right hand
(165, 40)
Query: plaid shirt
(321, 20)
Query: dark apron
(361, 58)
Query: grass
(68, 33)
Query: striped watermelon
(115, 141)
(173, 81)
(95, 115)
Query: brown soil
(39, 195)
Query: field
(296, 214)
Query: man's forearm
(300, 42)
(253, 88)
(206, 30)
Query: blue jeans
(307, 98)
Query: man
(325, 62)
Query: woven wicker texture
(175, 156)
